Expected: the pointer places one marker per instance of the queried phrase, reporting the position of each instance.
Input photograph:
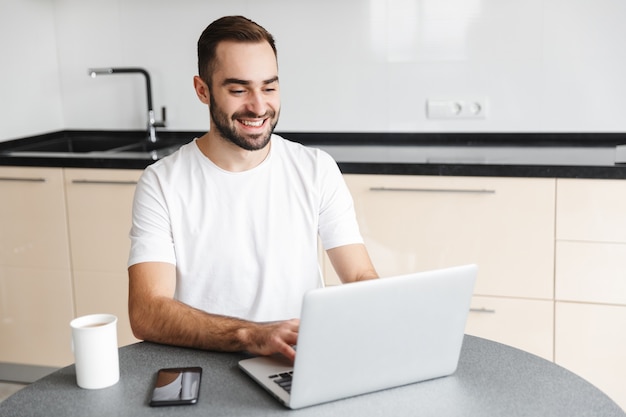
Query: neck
(229, 156)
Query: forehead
(252, 61)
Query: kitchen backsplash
(348, 66)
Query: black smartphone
(176, 386)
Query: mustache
(250, 115)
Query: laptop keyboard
(283, 380)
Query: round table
(492, 380)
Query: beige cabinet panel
(590, 340)
(99, 205)
(524, 324)
(36, 302)
(591, 210)
(35, 314)
(32, 218)
(590, 268)
(505, 225)
(105, 292)
(591, 272)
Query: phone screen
(176, 386)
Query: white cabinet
(591, 272)
(505, 225)
(99, 205)
(36, 303)
(590, 282)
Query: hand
(275, 337)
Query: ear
(202, 90)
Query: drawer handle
(18, 179)
(482, 310)
(434, 190)
(104, 182)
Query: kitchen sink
(145, 146)
(71, 145)
(108, 146)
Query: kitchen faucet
(152, 122)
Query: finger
(295, 324)
(288, 352)
(290, 338)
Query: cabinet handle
(104, 182)
(18, 179)
(482, 310)
(434, 190)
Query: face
(244, 100)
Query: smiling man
(225, 231)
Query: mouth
(252, 124)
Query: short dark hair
(228, 28)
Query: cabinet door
(32, 218)
(591, 210)
(99, 203)
(36, 303)
(593, 272)
(524, 324)
(590, 341)
(590, 262)
(505, 225)
(591, 238)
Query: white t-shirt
(244, 243)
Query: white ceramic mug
(94, 341)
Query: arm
(156, 316)
(352, 263)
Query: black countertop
(548, 155)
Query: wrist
(244, 335)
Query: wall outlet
(457, 109)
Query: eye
(237, 92)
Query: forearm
(171, 322)
(157, 317)
(168, 321)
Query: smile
(250, 123)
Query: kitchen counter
(504, 155)
(488, 161)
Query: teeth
(251, 123)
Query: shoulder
(173, 164)
(294, 150)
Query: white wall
(30, 97)
(354, 65)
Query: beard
(226, 127)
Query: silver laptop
(372, 335)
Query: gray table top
(492, 380)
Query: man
(224, 235)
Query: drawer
(99, 206)
(504, 225)
(33, 228)
(591, 272)
(591, 210)
(525, 324)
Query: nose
(256, 104)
